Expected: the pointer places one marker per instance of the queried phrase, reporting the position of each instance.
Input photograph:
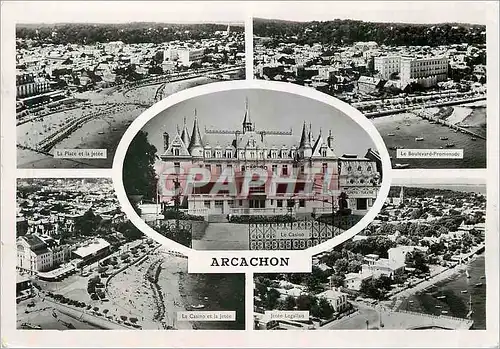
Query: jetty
(426, 115)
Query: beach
(119, 109)
(401, 130)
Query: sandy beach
(102, 132)
(132, 293)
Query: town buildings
(40, 253)
(337, 299)
(425, 71)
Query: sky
(379, 11)
(451, 182)
(269, 110)
(231, 11)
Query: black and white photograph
(81, 264)
(231, 168)
(420, 265)
(422, 84)
(79, 85)
(236, 175)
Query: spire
(303, 136)
(247, 121)
(185, 134)
(310, 135)
(195, 144)
(330, 140)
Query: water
(456, 303)
(411, 126)
(224, 292)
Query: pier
(429, 116)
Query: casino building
(304, 173)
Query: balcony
(261, 211)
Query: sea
(410, 126)
(456, 302)
(218, 292)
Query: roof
(41, 251)
(94, 247)
(34, 241)
(21, 278)
(330, 294)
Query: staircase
(217, 218)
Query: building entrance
(257, 203)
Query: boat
(199, 306)
(483, 277)
(397, 128)
(410, 302)
(100, 132)
(390, 134)
(443, 138)
(438, 306)
(401, 165)
(205, 298)
(467, 274)
(450, 145)
(441, 297)
(473, 139)
(444, 312)
(479, 284)
(419, 139)
(464, 291)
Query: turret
(195, 145)
(185, 134)
(248, 125)
(329, 140)
(166, 140)
(305, 147)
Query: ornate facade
(304, 175)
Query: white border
(304, 92)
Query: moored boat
(450, 145)
(443, 138)
(464, 291)
(401, 165)
(418, 139)
(479, 284)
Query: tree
(306, 301)
(290, 303)
(272, 297)
(325, 309)
(87, 223)
(139, 177)
(337, 280)
(417, 260)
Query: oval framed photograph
(248, 165)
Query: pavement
(223, 236)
